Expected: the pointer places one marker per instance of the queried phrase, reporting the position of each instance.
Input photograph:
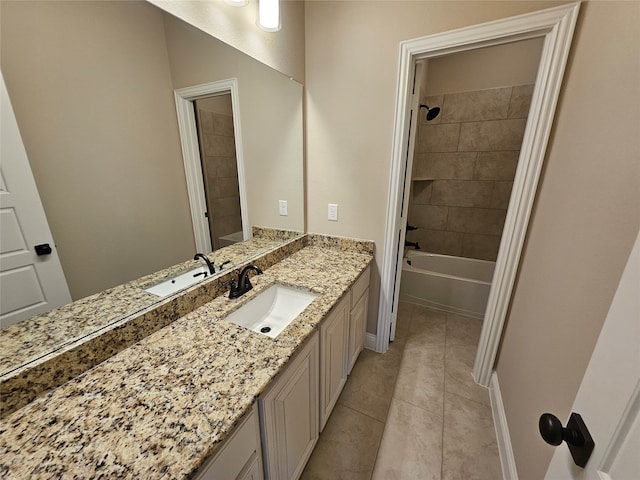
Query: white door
(609, 396)
(404, 212)
(30, 284)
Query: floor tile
(411, 445)
(427, 326)
(421, 377)
(470, 450)
(463, 330)
(459, 360)
(403, 320)
(347, 447)
(369, 388)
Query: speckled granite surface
(83, 334)
(163, 405)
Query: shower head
(431, 112)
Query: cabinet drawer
(240, 449)
(360, 286)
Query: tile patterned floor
(413, 412)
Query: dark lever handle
(43, 249)
(575, 434)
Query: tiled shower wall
(220, 170)
(464, 165)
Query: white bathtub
(453, 284)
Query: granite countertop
(30, 339)
(159, 408)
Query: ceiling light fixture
(269, 15)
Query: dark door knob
(44, 249)
(575, 434)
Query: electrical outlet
(333, 212)
(283, 207)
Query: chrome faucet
(244, 284)
(212, 269)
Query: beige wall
(586, 218)
(91, 89)
(351, 78)
(236, 26)
(270, 116)
(497, 66)
(586, 213)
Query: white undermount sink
(179, 282)
(271, 311)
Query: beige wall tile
(438, 138)
(225, 206)
(213, 187)
(440, 241)
(229, 187)
(462, 193)
(496, 165)
(491, 135)
(219, 146)
(421, 192)
(491, 104)
(484, 247)
(206, 121)
(455, 165)
(501, 195)
(223, 125)
(225, 225)
(476, 220)
(429, 216)
(520, 101)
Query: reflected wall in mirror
(92, 87)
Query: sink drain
(265, 329)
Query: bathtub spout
(415, 245)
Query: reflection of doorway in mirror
(219, 168)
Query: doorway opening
(224, 219)
(555, 28)
(214, 121)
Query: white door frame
(191, 156)
(555, 26)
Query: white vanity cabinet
(358, 318)
(289, 416)
(240, 457)
(334, 341)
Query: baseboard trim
(370, 341)
(509, 471)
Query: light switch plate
(333, 212)
(283, 207)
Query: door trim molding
(191, 155)
(556, 26)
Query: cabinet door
(237, 455)
(357, 328)
(334, 335)
(253, 471)
(289, 416)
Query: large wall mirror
(92, 86)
